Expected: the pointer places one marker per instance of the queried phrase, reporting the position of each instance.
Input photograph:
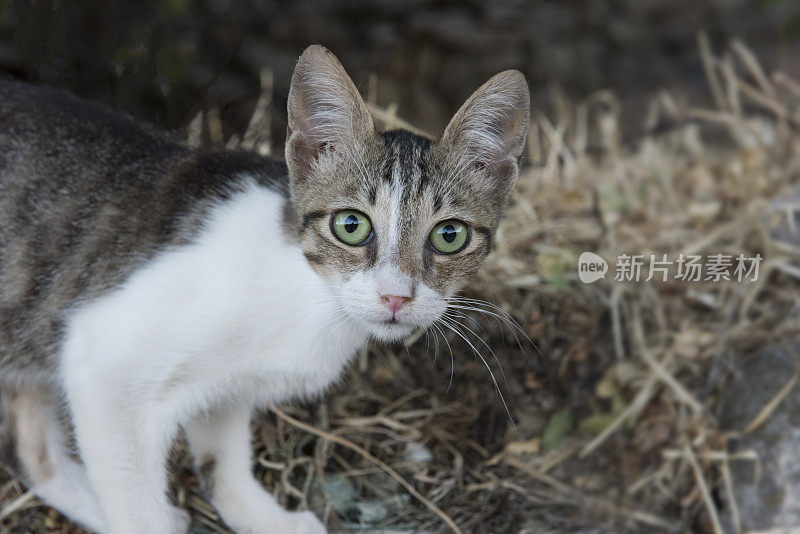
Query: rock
(419, 453)
(340, 492)
(773, 499)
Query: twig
(752, 64)
(708, 65)
(603, 504)
(17, 504)
(364, 453)
(780, 78)
(718, 233)
(255, 137)
(726, 66)
(681, 392)
(769, 407)
(765, 101)
(194, 132)
(728, 481)
(393, 121)
(703, 486)
(712, 456)
(616, 321)
(215, 134)
(639, 402)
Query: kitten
(145, 286)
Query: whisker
(499, 364)
(499, 314)
(452, 327)
(501, 321)
(452, 359)
(428, 345)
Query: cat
(147, 287)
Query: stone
(773, 499)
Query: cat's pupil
(449, 233)
(350, 224)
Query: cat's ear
(325, 110)
(490, 129)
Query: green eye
(449, 237)
(351, 227)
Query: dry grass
(615, 407)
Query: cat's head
(396, 222)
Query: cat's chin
(391, 332)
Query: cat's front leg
(123, 434)
(220, 442)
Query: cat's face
(396, 222)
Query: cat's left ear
(490, 129)
(325, 110)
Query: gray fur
(336, 160)
(86, 196)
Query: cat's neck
(279, 313)
(247, 318)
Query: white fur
(395, 205)
(224, 435)
(363, 290)
(57, 479)
(236, 320)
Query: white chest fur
(239, 316)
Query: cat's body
(149, 286)
(86, 197)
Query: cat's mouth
(394, 325)
(391, 329)
(396, 322)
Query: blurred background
(162, 60)
(659, 127)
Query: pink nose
(394, 302)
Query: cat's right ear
(490, 129)
(325, 110)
